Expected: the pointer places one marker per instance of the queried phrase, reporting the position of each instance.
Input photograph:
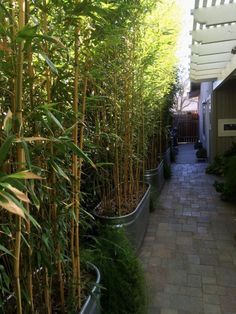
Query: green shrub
(216, 167)
(201, 153)
(123, 283)
(219, 186)
(231, 151)
(229, 191)
(219, 164)
(228, 187)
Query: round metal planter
(135, 224)
(92, 304)
(155, 177)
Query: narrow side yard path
(189, 253)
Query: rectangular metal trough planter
(92, 304)
(135, 224)
(155, 177)
(166, 157)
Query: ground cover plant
(123, 284)
(85, 92)
(225, 166)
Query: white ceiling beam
(231, 66)
(213, 48)
(214, 41)
(224, 57)
(215, 34)
(208, 66)
(199, 79)
(219, 14)
(213, 73)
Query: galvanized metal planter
(92, 304)
(166, 157)
(135, 224)
(155, 177)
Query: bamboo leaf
(11, 206)
(27, 33)
(31, 139)
(77, 151)
(49, 63)
(59, 170)
(54, 119)
(33, 221)
(5, 250)
(22, 175)
(27, 154)
(34, 198)
(52, 39)
(7, 123)
(86, 8)
(19, 194)
(20, 207)
(4, 149)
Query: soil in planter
(111, 208)
(88, 278)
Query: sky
(183, 52)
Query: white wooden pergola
(213, 50)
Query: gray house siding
(223, 107)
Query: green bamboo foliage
(84, 97)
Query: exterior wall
(204, 110)
(224, 107)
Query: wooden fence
(187, 125)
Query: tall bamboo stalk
(47, 291)
(77, 231)
(20, 152)
(160, 131)
(28, 224)
(116, 166)
(75, 186)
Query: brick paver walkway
(189, 253)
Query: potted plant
(134, 223)
(92, 302)
(155, 177)
(201, 154)
(197, 144)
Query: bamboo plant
(84, 91)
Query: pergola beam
(208, 66)
(214, 40)
(231, 66)
(213, 48)
(214, 15)
(199, 79)
(223, 57)
(215, 34)
(213, 73)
